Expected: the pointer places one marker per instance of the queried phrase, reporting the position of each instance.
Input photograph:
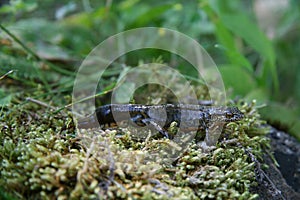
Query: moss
(43, 157)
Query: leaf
(240, 24)
(149, 16)
(227, 42)
(295, 129)
(259, 94)
(18, 6)
(83, 19)
(282, 116)
(127, 4)
(238, 79)
(23, 68)
(5, 98)
(52, 52)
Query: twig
(86, 161)
(9, 72)
(41, 103)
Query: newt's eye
(229, 115)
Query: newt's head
(233, 114)
(226, 114)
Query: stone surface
(283, 181)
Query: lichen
(43, 156)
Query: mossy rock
(43, 156)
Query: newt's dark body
(159, 117)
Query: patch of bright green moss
(42, 156)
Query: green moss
(42, 156)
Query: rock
(283, 181)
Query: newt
(159, 117)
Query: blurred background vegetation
(255, 44)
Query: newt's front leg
(153, 125)
(142, 119)
(212, 133)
